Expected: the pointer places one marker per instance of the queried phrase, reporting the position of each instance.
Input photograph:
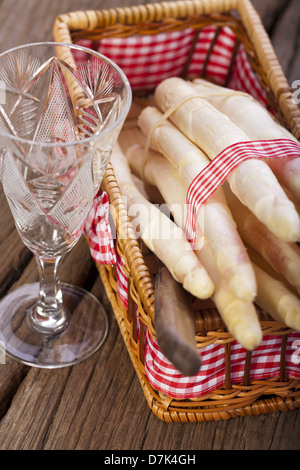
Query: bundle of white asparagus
(214, 217)
(258, 124)
(238, 314)
(253, 181)
(246, 250)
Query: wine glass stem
(48, 315)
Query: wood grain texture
(99, 403)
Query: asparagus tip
(242, 289)
(199, 284)
(286, 223)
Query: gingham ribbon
(97, 229)
(148, 59)
(215, 173)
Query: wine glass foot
(87, 328)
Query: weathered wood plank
(270, 11)
(28, 419)
(14, 256)
(11, 375)
(82, 402)
(102, 410)
(281, 19)
(79, 269)
(286, 431)
(11, 372)
(285, 45)
(7, 222)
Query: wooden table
(99, 404)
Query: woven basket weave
(279, 393)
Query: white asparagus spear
(243, 110)
(160, 173)
(214, 218)
(292, 198)
(258, 260)
(239, 316)
(257, 123)
(277, 299)
(283, 257)
(160, 234)
(252, 181)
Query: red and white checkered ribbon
(147, 60)
(97, 229)
(215, 173)
(265, 363)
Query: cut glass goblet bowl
(62, 110)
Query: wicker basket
(279, 393)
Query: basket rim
(129, 16)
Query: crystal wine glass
(63, 108)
